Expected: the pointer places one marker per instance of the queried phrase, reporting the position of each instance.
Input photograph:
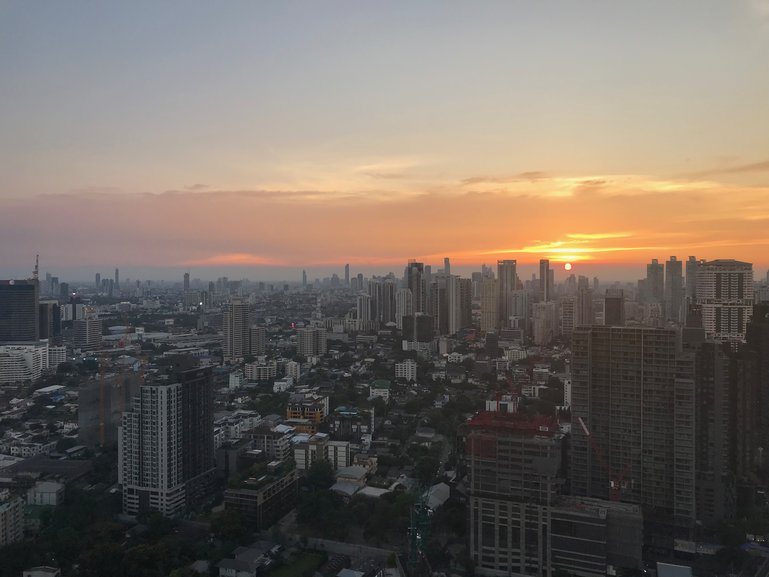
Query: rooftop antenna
(35, 273)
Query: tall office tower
(568, 310)
(311, 341)
(465, 303)
(692, 265)
(304, 278)
(197, 442)
(404, 306)
(520, 309)
(363, 308)
(725, 293)
(50, 319)
(583, 283)
(453, 304)
(236, 323)
(626, 392)
(375, 293)
(117, 278)
(361, 286)
(655, 282)
(584, 314)
(544, 322)
(571, 285)
(439, 304)
(751, 403)
(212, 287)
(98, 281)
(166, 444)
(489, 304)
(507, 279)
(186, 281)
(545, 282)
(64, 292)
(614, 308)
(347, 275)
(415, 281)
(257, 340)
(715, 488)
(447, 266)
(387, 305)
(19, 310)
(86, 333)
(674, 290)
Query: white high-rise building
(725, 294)
(150, 453)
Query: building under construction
(101, 402)
(519, 521)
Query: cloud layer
(599, 218)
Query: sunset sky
(256, 138)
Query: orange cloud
(611, 219)
(232, 259)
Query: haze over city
(269, 137)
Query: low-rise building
(11, 518)
(264, 500)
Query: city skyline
(258, 138)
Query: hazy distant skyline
(210, 137)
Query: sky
(254, 139)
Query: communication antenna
(35, 273)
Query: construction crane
(616, 482)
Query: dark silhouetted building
(19, 310)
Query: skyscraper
(19, 310)
(258, 340)
(692, 265)
(446, 266)
(415, 281)
(98, 281)
(86, 333)
(614, 308)
(117, 278)
(674, 290)
(725, 294)
(507, 279)
(403, 306)
(655, 282)
(545, 280)
(347, 275)
(584, 315)
(625, 392)
(489, 304)
(166, 444)
(363, 309)
(186, 281)
(311, 341)
(519, 523)
(236, 326)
